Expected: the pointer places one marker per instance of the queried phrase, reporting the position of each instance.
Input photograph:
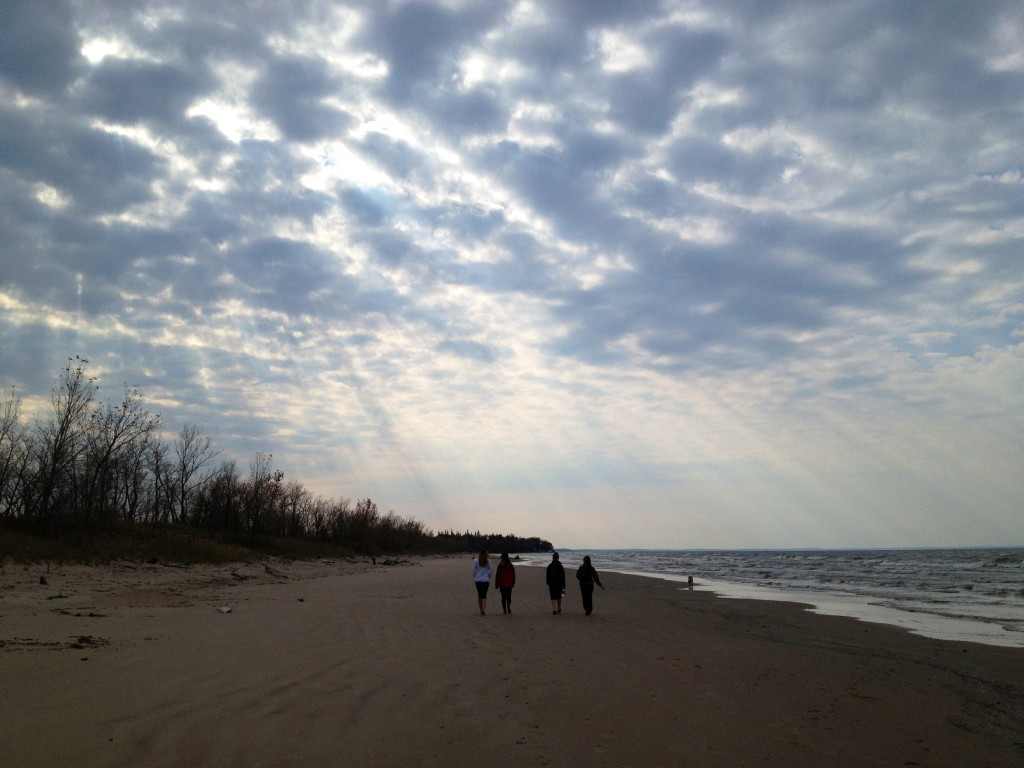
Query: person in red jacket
(504, 580)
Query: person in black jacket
(556, 583)
(587, 577)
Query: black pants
(588, 597)
(506, 598)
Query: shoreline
(924, 624)
(347, 663)
(921, 618)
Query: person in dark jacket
(587, 577)
(504, 580)
(556, 583)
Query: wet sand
(355, 664)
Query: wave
(965, 586)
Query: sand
(355, 664)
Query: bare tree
(61, 441)
(339, 521)
(263, 494)
(134, 481)
(163, 489)
(116, 433)
(13, 453)
(193, 451)
(317, 514)
(365, 523)
(220, 502)
(101, 464)
(295, 501)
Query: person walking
(556, 583)
(504, 580)
(482, 579)
(587, 577)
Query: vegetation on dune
(93, 481)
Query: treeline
(89, 466)
(492, 542)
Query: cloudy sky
(669, 274)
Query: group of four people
(505, 579)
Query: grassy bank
(167, 544)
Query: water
(975, 595)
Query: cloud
(95, 170)
(743, 261)
(129, 92)
(292, 93)
(39, 46)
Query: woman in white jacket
(482, 579)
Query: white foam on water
(856, 607)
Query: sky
(703, 274)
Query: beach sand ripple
(347, 663)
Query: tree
(116, 435)
(365, 522)
(162, 490)
(218, 504)
(193, 450)
(134, 482)
(61, 442)
(13, 453)
(98, 465)
(295, 502)
(263, 492)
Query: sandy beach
(349, 663)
